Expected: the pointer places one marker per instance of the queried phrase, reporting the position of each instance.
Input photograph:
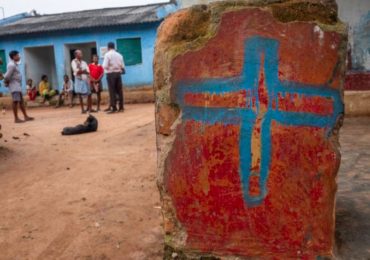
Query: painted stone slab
(248, 109)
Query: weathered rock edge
(189, 30)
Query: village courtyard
(94, 196)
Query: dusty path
(91, 196)
(94, 196)
(353, 197)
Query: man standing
(114, 66)
(13, 80)
(96, 74)
(82, 87)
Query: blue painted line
(245, 157)
(258, 50)
(217, 115)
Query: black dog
(90, 125)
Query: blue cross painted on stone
(255, 48)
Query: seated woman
(31, 90)
(44, 89)
(67, 92)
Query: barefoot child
(13, 80)
(67, 92)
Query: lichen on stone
(304, 11)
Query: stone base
(248, 109)
(143, 94)
(172, 254)
(357, 103)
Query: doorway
(88, 50)
(41, 61)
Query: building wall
(40, 61)
(86, 50)
(137, 75)
(356, 14)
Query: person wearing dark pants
(114, 67)
(115, 91)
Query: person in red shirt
(96, 74)
(31, 90)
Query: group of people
(44, 89)
(88, 80)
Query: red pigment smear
(304, 104)
(228, 100)
(254, 186)
(207, 192)
(262, 90)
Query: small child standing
(67, 92)
(31, 90)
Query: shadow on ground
(353, 197)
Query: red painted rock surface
(248, 166)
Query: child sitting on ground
(31, 90)
(67, 92)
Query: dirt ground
(353, 197)
(94, 196)
(91, 196)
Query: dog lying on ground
(90, 125)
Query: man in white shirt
(114, 67)
(82, 86)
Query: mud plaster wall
(191, 181)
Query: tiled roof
(83, 19)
